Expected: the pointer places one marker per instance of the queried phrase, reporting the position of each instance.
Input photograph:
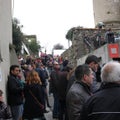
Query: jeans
(55, 106)
(17, 111)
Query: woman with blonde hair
(33, 77)
(34, 97)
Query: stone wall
(85, 41)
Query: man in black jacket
(93, 62)
(15, 93)
(105, 104)
(79, 91)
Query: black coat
(31, 107)
(59, 83)
(104, 104)
(14, 91)
(5, 112)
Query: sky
(50, 20)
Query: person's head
(109, 29)
(56, 65)
(70, 73)
(93, 62)
(111, 72)
(67, 69)
(33, 65)
(14, 70)
(116, 59)
(84, 73)
(30, 67)
(42, 66)
(33, 77)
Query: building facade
(108, 12)
(5, 41)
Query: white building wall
(101, 52)
(5, 39)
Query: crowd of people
(89, 91)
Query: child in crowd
(4, 110)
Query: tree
(17, 35)
(19, 38)
(69, 34)
(34, 47)
(58, 46)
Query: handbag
(40, 104)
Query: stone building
(107, 11)
(86, 40)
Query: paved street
(49, 114)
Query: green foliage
(17, 35)
(34, 47)
(69, 34)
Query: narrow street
(49, 114)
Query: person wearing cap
(93, 62)
(5, 112)
(105, 103)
